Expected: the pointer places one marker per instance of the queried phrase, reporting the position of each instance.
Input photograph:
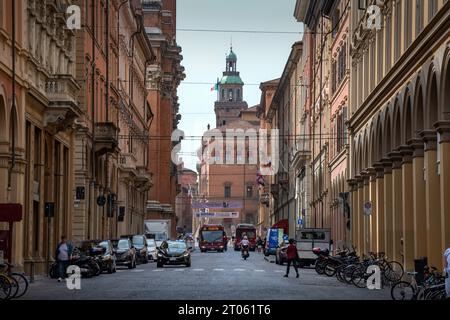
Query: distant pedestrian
(292, 256)
(447, 271)
(62, 255)
(259, 244)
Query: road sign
(101, 201)
(217, 214)
(300, 222)
(368, 208)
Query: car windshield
(123, 245)
(104, 244)
(212, 236)
(151, 243)
(177, 245)
(138, 240)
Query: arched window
(230, 94)
(398, 30)
(432, 8)
(223, 94)
(408, 23)
(238, 94)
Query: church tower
(229, 102)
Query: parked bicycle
(13, 285)
(432, 288)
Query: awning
(282, 224)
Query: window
(419, 16)
(341, 130)
(230, 94)
(223, 94)
(227, 192)
(238, 94)
(249, 192)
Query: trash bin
(419, 267)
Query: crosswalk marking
(179, 269)
(258, 270)
(198, 269)
(218, 269)
(137, 270)
(158, 270)
(239, 269)
(278, 271)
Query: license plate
(173, 259)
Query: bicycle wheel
(22, 284)
(394, 271)
(330, 269)
(5, 287)
(339, 273)
(403, 291)
(14, 287)
(359, 278)
(347, 273)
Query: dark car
(125, 252)
(102, 251)
(140, 244)
(173, 253)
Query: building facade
(165, 74)
(399, 130)
(183, 208)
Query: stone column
(408, 208)
(373, 219)
(353, 216)
(388, 209)
(379, 205)
(432, 196)
(397, 205)
(420, 221)
(443, 129)
(360, 235)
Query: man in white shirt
(447, 271)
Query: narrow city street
(212, 276)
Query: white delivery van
(307, 240)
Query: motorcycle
(245, 251)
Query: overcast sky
(261, 57)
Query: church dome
(231, 56)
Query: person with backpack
(292, 256)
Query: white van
(307, 240)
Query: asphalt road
(212, 276)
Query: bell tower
(229, 102)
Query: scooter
(245, 251)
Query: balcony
(127, 163)
(106, 137)
(61, 92)
(144, 179)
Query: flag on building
(260, 179)
(216, 86)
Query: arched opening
(13, 130)
(408, 121)
(397, 129)
(3, 136)
(433, 102)
(388, 136)
(379, 143)
(418, 119)
(446, 110)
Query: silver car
(151, 250)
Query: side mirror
(190, 248)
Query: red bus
(245, 229)
(212, 237)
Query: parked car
(151, 250)
(173, 253)
(140, 244)
(281, 255)
(125, 252)
(103, 253)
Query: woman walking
(292, 255)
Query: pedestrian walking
(292, 257)
(259, 244)
(62, 255)
(447, 271)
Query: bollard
(32, 272)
